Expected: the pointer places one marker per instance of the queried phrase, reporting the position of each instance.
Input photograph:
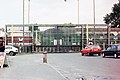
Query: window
(8, 48)
(108, 48)
(114, 47)
(118, 47)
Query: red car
(91, 49)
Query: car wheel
(11, 53)
(98, 54)
(5, 65)
(14, 54)
(82, 54)
(115, 55)
(103, 55)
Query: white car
(11, 50)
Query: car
(11, 50)
(91, 49)
(113, 50)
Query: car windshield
(87, 47)
(8, 47)
(114, 47)
(95, 46)
(119, 47)
(108, 48)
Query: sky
(54, 11)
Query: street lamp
(94, 18)
(29, 18)
(78, 11)
(28, 11)
(23, 22)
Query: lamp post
(78, 11)
(23, 22)
(28, 11)
(29, 18)
(94, 18)
(24, 18)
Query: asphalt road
(71, 66)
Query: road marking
(66, 78)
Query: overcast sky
(53, 11)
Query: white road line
(58, 72)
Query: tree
(113, 18)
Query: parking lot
(61, 66)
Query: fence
(67, 37)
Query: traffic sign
(115, 33)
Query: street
(61, 66)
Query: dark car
(113, 50)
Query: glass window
(114, 47)
(108, 48)
(118, 47)
(96, 46)
(8, 48)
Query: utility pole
(29, 19)
(94, 18)
(23, 22)
(28, 11)
(78, 11)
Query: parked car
(11, 50)
(91, 49)
(113, 50)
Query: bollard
(45, 57)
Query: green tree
(113, 18)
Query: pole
(28, 11)
(94, 18)
(58, 39)
(12, 36)
(82, 41)
(45, 57)
(29, 19)
(109, 35)
(78, 18)
(32, 38)
(36, 40)
(6, 36)
(23, 24)
(87, 33)
(78, 11)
